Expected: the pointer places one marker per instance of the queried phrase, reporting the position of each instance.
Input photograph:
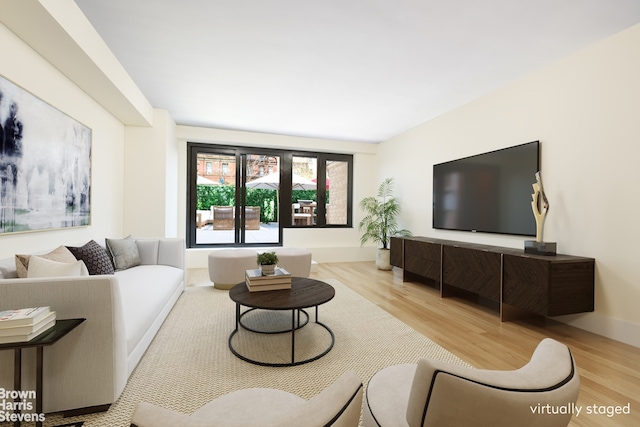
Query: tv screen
(489, 192)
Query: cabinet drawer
(422, 258)
(422, 250)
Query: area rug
(189, 362)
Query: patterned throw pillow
(124, 252)
(94, 256)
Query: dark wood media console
(517, 282)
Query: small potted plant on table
(267, 262)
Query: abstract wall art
(45, 165)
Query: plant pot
(383, 259)
(268, 269)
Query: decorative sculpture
(540, 207)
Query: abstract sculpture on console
(540, 207)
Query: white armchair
(433, 393)
(339, 405)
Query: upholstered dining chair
(434, 393)
(339, 405)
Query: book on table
(276, 287)
(255, 281)
(11, 334)
(280, 275)
(23, 316)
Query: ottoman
(227, 266)
(296, 261)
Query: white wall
(151, 168)
(24, 67)
(585, 111)
(326, 245)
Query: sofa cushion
(145, 291)
(8, 268)
(43, 267)
(95, 257)
(60, 254)
(148, 250)
(124, 252)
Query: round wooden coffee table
(304, 293)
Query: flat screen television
(489, 192)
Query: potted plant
(379, 223)
(267, 262)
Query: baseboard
(198, 258)
(84, 411)
(616, 329)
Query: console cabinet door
(526, 284)
(474, 270)
(422, 258)
(397, 253)
(549, 286)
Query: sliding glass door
(235, 201)
(216, 197)
(261, 184)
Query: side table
(50, 337)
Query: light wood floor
(609, 370)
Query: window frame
(285, 190)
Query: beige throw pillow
(60, 254)
(42, 267)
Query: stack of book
(280, 279)
(24, 324)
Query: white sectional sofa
(89, 367)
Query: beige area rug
(189, 362)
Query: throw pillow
(124, 252)
(94, 256)
(60, 254)
(42, 267)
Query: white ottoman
(227, 266)
(296, 261)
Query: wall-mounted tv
(489, 192)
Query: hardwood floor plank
(609, 370)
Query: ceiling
(356, 70)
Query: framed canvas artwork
(45, 165)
